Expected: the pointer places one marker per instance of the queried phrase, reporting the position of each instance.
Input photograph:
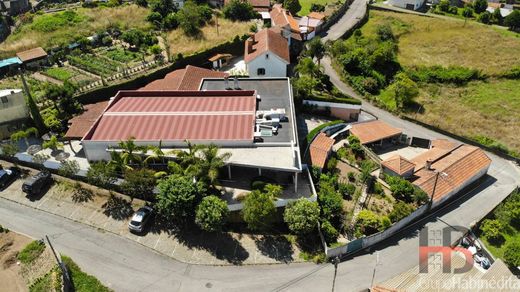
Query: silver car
(140, 219)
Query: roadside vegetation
(439, 72)
(501, 230)
(82, 281)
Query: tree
(497, 17)
(400, 211)
(385, 33)
(9, 149)
(142, 3)
(316, 7)
(366, 172)
(211, 213)
(101, 174)
(178, 196)
(191, 18)
(170, 21)
(480, 6)
(404, 89)
(485, 17)
(210, 164)
(368, 223)
(492, 230)
(467, 13)
(129, 153)
(401, 189)
(316, 49)
(293, 6)
(307, 67)
(302, 216)
(513, 20)
(139, 183)
(239, 10)
(330, 233)
(68, 168)
(163, 7)
(63, 99)
(259, 210)
(444, 5)
(330, 201)
(512, 253)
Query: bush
(512, 253)
(211, 213)
(347, 190)
(316, 7)
(400, 211)
(139, 183)
(330, 201)
(238, 10)
(368, 223)
(318, 129)
(3, 229)
(258, 185)
(292, 6)
(332, 98)
(259, 210)
(492, 230)
(302, 216)
(330, 233)
(31, 252)
(68, 168)
(178, 196)
(452, 74)
(83, 282)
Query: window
(4, 99)
(260, 71)
(267, 56)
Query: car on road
(37, 183)
(7, 176)
(140, 219)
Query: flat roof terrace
(275, 93)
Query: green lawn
(32, 251)
(306, 5)
(120, 55)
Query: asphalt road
(354, 13)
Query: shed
(374, 131)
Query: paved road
(355, 12)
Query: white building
(267, 54)
(407, 4)
(13, 111)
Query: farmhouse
(267, 54)
(13, 111)
(285, 22)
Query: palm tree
(117, 161)
(190, 157)
(157, 153)
(210, 164)
(129, 149)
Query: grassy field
(431, 41)
(180, 43)
(60, 28)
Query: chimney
(226, 83)
(235, 81)
(428, 164)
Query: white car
(140, 219)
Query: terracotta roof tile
(398, 164)
(443, 143)
(178, 115)
(316, 15)
(188, 78)
(266, 40)
(219, 56)
(319, 150)
(282, 17)
(32, 54)
(373, 131)
(79, 125)
(454, 169)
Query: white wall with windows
(267, 65)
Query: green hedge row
(316, 130)
(439, 74)
(344, 100)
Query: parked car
(7, 176)
(36, 183)
(140, 219)
(485, 263)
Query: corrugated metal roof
(178, 115)
(10, 61)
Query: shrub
(68, 168)
(259, 210)
(211, 213)
(492, 230)
(347, 190)
(178, 196)
(238, 10)
(3, 229)
(302, 216)
(351, 176)
(512, 253)
(316, 7)
(318, 129)
(330, 201)
(400, 211)
(31, 252)
(330, 233)
(385, 33)
(258, 185)
(452, 74)
(368, 222)
(480, 6)
(292, 6)
(513, 20)
(139, 183)
(83, 282)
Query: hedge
(344, 100)
(316, 130)
(452, 74)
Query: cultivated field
(431, 41)
(180, 43)
(52, 29)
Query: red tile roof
(265, 41)
(454, 168)
(188, 78)
(319, 150)
(79, 125)
(373, 131)
(282, 17)
(398, 164)
(316, 15)
(178, 115)
(32, 54)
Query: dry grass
(95, 19)
(432, 41)
(481, 108)
(180, 43)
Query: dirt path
(10, 244)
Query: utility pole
(67, 283)
(335, 261)
(375, 267)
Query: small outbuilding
(398, 166)
(375, 132)
(33, 57)
(320, 150)
(408, 4)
